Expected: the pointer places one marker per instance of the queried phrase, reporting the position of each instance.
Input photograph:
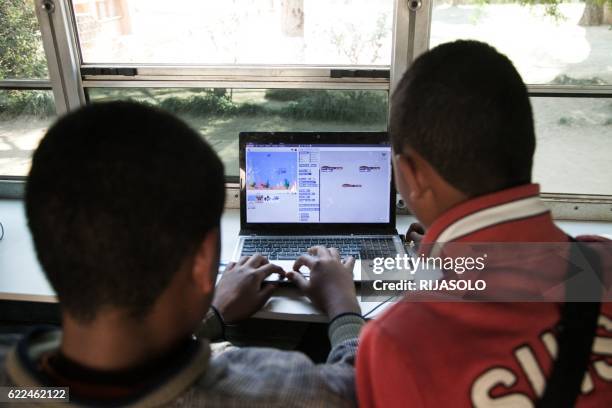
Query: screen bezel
(292, 138)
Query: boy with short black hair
(124, 205)
(463, 138)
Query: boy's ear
(411, 175)
(206, 262)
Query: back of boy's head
(464, 108)
(118, 198)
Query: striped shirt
(254, 377)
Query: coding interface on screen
(318, 183)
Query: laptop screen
(317, 183)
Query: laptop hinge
(386, 231)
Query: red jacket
(428, 354)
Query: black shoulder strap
(576, 332)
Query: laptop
(302, 189)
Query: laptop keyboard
(290, 248)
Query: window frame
(69, 78)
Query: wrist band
(346, 314)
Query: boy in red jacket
(463, 137)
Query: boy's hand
(240, 292)
(415, 233)
(331, 287)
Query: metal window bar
(55, 21)
(24, 84)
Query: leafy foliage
(350, 106)
(567, 80)
(551, 7)
(26, 103)
(207, 104)
(21, 54)
(284, 95)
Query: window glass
(550, 42)
(574, 145)
(221, 114)
(328, 32)
(24, 118)
(21, 50)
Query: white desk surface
(21, 277)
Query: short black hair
(465, 109)
(118, 197)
